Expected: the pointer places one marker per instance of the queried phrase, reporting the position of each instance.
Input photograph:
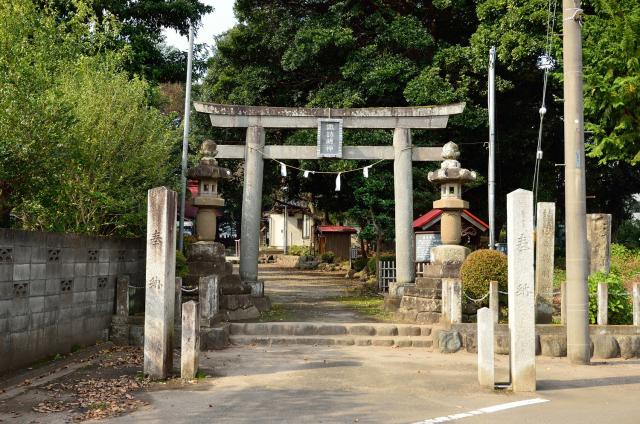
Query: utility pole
(492, 148)
(185, 140)
(578, 345)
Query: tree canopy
(79, 141)
(141, 23)
(389, 53)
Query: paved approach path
(310, 295)
(306, 384)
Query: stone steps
(346, 340)
(331, 334)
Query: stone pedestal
(190, 346)
(209, 295)
(603, 304)
(485, 333)
(430, 299)
(545, 245)
(160, 283)
(208, 269)
(521, 291)
(494, 300)
(599, 240)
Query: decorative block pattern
(102, 282)
(66, 286)
(53, 255)
(21, 289)
(6, 255)
(92, 255)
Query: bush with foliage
(628, 234)
(328, 257)
(80, 142)
(479, 268)
(359, 264)
(620, 307)
(299, 250)
(182, 270)
(372, 264)
(626, 263)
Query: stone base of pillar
(238, 299)
(544, 312)
(422, 301)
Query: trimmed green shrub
(328, 257)
(182, 270)
(620, 306)
(479, 268)
(299, 250)
(359, 264)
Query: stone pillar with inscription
(599, 241)
(522, 329)
(545, 245)
(160, 283)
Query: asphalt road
(303, 384)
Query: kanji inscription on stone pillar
(521, 291)
(160, 282)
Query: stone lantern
(451, 177)
(208, 174)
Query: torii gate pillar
(403, 194)
(251, 205)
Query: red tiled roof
(427, 218)
(336, 229)
(430, 217)
(475, 218)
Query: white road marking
(487, 410)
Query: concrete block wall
(57, 291)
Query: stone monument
(599, 240)
(522, 321)
(424, 302)
(545, 245)
(160, 283)
(206, 258)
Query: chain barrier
(195, 289)
(135, 287)
(476, 300)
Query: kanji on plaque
(330, 138)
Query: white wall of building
(298, 230)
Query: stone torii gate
(402, 119)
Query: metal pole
(185, 140)
(578, 344)
(492, 147)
